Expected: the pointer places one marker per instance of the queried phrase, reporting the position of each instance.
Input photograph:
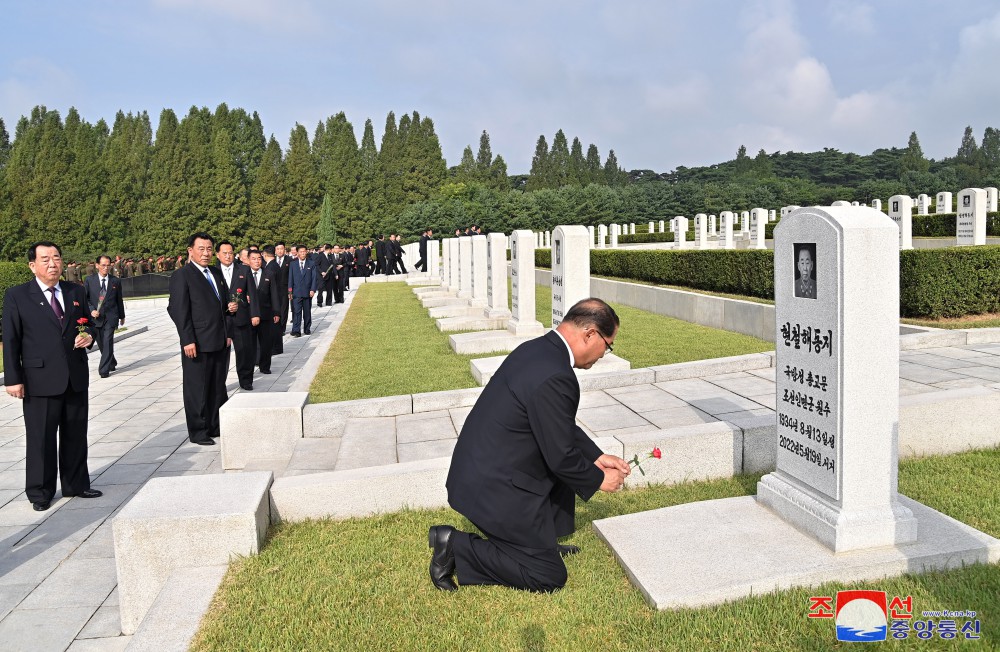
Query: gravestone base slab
(720, 550)
(840, 530)
(525, 328)
(447, 300)
(423, 279)
(487, 342)
(433, 290)
(484, 368)
(474, 322)
(457, 310)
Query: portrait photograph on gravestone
(805, 270)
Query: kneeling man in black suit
(46, 330)
(521, 460)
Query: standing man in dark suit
(302, 281)
(349, 269)
(46, 329)
(267, 297)
(521, 458)
(326, 284)
(245, 320)
(381, 256)
(338, 267)
(284, 263)
(107, 309)
(200, 309)
(398, 248)
(422, 248)
(363, 257)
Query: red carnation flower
(657, 454)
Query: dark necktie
(56, 308)
(209, 279)
(255, 281)
(104, 287)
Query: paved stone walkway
(729, 397)
(57, 568)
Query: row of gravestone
(970, 219)
(943, 202)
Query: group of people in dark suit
(521, 460)
(389, 255)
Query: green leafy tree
(368, 184)
(743, 166)
(126, 161)
(157, 226)
(466, 172)
(498, 174)
(229, 212)
(593, 165)
(484, 157)
(577, 172)
(559, 164)
(613, 175)
(990, 149)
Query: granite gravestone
(522, 284)
(662, 226)
(758, 220)
(877, 204)
(615, 231)
(726, 230)
(771, 215)
(901, 212)
(446, 263)
(651, 226)
(712, 222)
(837, 347)
(590, 235)
(923, 205)
(631, 228)
(570, 270)
(602, 236)
(480, 273)
(680, 232)
(433, 258)
(453, 264)
(744, 223)
(701, 230)
(943, 204)
(496, 277)
(991, 200)
(465, 267)
(970, 223)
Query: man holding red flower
(46, 332)
(521, 460)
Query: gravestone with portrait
(713, 221)
(877, 204)
(923, 205)
(970, 222)
(830, 510)
(943, 203)
(991, 199)
(726, 230)
(758, 220)
(570, 269)
(522, 285)
(680, 232)
(771, 215)
(744, 223)
(901, 212)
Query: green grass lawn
(362, 584)
(971, 321)
(388, 345)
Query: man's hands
(233, 307)
(277, 318)
(255, 321)
(82, 341)
(190, 350)
(16, 391)
(615, 471)
(94, 313)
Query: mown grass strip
(363, 583)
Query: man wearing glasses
(521, 460)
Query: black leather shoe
(204, 442)
(265, 371)
(296, 335)
(307, 332)
(443, 557)
(567, 550)
(104, 375)
(246, 388)
(41, 505)
(86, 493)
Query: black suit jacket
(246, 303)
(270, 291)
(201, 317)
(37, 352)
(283, 268)
(113, 307)
(422, 248)
(520, 439)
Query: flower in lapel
(76, 304)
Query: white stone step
(173, 619)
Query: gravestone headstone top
(901, 212)
(943, 203)
(726, 230)
(570, 270)
(496, 277)
(522, 284)
(970, 221)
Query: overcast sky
(662, 82)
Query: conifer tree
(326, 229)
(158, 226)
(968, 150)
(364, 198)
(743, 166)
(577, 173)
(84, 182)
(466, 171)
(913, 159)
(559, 165)
(538, 178)
(762, 164)
(990, 150)
(229, 214)
(613, 175)
(126, 160)
(594, 174)
(302, 187)
(484, 158)
(268, 199)
(498, 174)
(390, 173)
(425, 167)
(4, 144)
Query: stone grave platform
(484, 368)
(498, 341)
(472, 322)
(719, 550)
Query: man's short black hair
(593, 312)
(218, 247)
(279, 243)
(269, 250)
(200, 235)
(102, 257)
(300, 246)
(252, 252)
(43, 243)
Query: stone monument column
(496, 277)
(836, 275)
(522, 285)
(590, 234)
(877, 204)
(615, 231)
(602, 236)
(433, 259)
(943, 204)
(465, 267)
(726, 230)
(758, 220)
(923, 205)
(901, 212)
(701, 230)
(453, 264)
(662, 225)
(479, 273)
(570, 269)
(680, 235)
(991, 200)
